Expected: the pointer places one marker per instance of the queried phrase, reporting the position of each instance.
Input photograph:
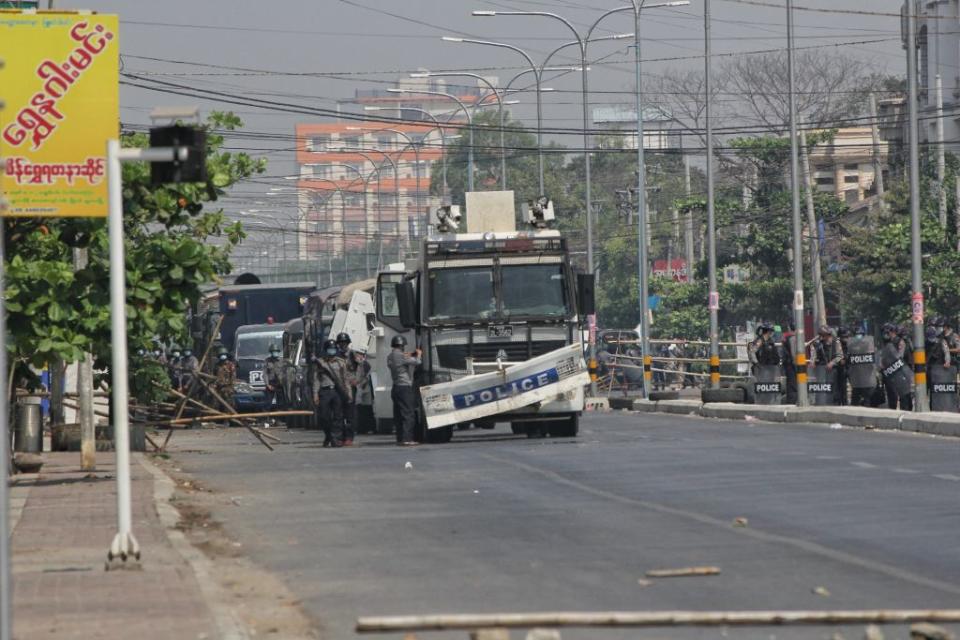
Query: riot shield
(768, 388)
(821, 384)
(896, 373)
(943, 388)
(862, 362)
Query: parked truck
(498, 313)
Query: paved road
(493, 523)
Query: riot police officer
(273, 374)
(840, 390)
(330, 394)
(402, 366)
(173, 367)
(826, 354)
(352, 368)
(896, 372)
(763, 350)
(225, 373)
(861, 367)
(789, 364)
(189, 365)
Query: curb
(227, 622)
(940, 424)
(20, 486)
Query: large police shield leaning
(862, 362)
(768, 388)
(896, 373)
(821, 385)
(943, 388)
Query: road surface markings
(864, 465)
(797, 543)
(829, 458)
(947, 476)
(902, 470)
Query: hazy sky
(252, 42)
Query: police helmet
(330, 348)
(343, 338)
(764, 327)
(398, 342)
(843, 332)
(826, 330)
(937, 321)
(931, 334)
(141, 352)
(274, 349)
(188, 352)
(222, 351)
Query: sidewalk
(59, 546)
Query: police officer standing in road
(330, 394)
(225, 373)
(402, 367)
(273, 373)
(352, 370)
(894, 369)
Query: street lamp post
(469, 124)
(396, 191)
(713, 299)
(496, 94)
(919, 349)
(443, 144)
(537, 72)
(801, 350)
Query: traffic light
(193, 169)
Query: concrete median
(943, 424)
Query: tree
(830, 87)
(57, 312)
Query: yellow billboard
(60, 84)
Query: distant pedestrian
(402, 370)
(330, 394)
(189, 365)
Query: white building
(938, 39)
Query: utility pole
(88, 425)
(819, 302)
(877, 160)
(713, 300)
(688, 221)
(919, 349)
(800, 352)
(941, 160)
(6, 584)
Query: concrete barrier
(942, 424)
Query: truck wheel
(536, 429)
(566, 428)
(441, 435)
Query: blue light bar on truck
(505, 245)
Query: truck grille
(454, 356)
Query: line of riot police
(846, 367)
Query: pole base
(124, 552)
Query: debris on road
(836, 425)
(408, 465)
(822, 591)
(749, 418)
(740, 522)
(872, 632)
(684, 572)
(644, 583)
(927, 631)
